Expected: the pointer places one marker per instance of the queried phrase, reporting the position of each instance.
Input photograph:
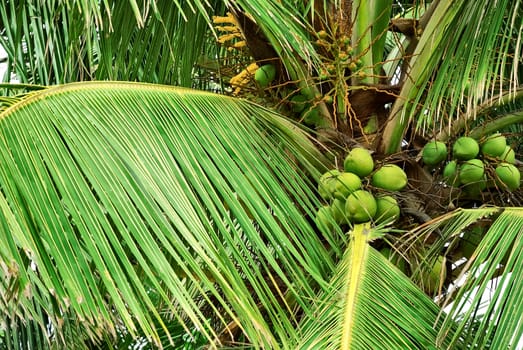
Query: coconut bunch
(476, 166)
(360, 193)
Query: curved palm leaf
(487, 316)
(370, 305)
(122, 200)
(91, 40)
(100, 40)
(483, 302)
(452, 71)
(448, 228)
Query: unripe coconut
(471, 171)
(298, 103)
(474, 189)
(324, 220)
(265, 75)
(465, 148)
(394, 258)
(494, 145)
(470, 241)
(508, 155)
(328, 99)
(508, 176)
(389, 177)
(312, 117)
(359, 161)
(437, 273)
(360, 206)
(434, 152)
(331, 68)
(324, 74)
(327, 183)
(346, 183)
(322, 34)
(372, 125)
(450, 173)
(338, 211)
(387, 210)
(345, 40)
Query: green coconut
(434, 152)
(471, 171)
(508, 176)
(264, 75)
(508, 155)
(360, 206)
(389, 177)
(494, 145)
(438, 273)
(346, 183)
(372, 125)
(394, 258)
(359, 161)
(338, 211)
(450, 173)
(470, 240)
(324, 219)
(387, 210)
(312, 117)
(474, 189)
(298, 103)
(465, 148)
(327, 183)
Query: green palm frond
(504, 114)
(122, 200)
(485, 297)
(371, 304)
(128, 40)
(452, 71)
(491, 296)
(117, 40)
(284, 25)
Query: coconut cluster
(475, 166)
(360, 193)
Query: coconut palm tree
(171, 174)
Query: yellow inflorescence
(232, 37)
(243, 78)
(231, 30)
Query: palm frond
(444, 234)
(502, 114)
(484, 297)
(116, 40)
(491, 296)
(127, 40)
(451, 71)
(285, 26)
(363, 308)
(118, 198)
